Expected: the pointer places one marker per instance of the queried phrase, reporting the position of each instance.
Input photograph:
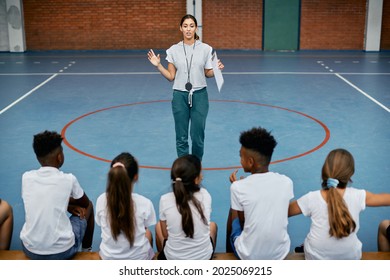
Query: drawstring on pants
(191, 92)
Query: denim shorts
(236, 232)
(78, 226)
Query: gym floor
(107, 102)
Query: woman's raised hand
(153, 58)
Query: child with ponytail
(124, 216)
(184, 231)
(334, 210)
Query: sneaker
(86, 249)
(299, 249)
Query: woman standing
(189, 63)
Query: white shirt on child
(318, 243)
(45, 193)
(264, 198)
(178, 246)
(120, 249)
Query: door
(281, 25)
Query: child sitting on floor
(185, 231)
(334, 211)
(48, 193)
(124, 216)
(257, 221)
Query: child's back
(264, 198)
(334, 210)
(257, 222)
(185, 231)
(120, 248)
(46, 193)
(178, 245)
(124, 216)
(318, 243)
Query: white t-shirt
(120, 249)
(318, 243)
(201, 55)
(45, 193)
(178, 246)
(264, 198)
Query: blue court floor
(108, 102)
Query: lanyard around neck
(189, 66)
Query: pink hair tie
(116, 164)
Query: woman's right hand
(154, 59)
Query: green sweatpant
(192, 119)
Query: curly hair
(259, 140)
(46, 142)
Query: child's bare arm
(294, 209)
(382, 199)
(164, 229)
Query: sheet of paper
(217, 72)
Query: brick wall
(233, 24)
(102, 24)
(227, 24)
(332, 24)
(385, 34)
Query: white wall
(12, 36)
(4, 41)
(194, 7)
(373, 25)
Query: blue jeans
(79, 226)
(192, 119)
(236, 232)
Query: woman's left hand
(220, 65)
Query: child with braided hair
(184, 231)
(334, 210)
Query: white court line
(297, 73)
(111, 73)
(81, 73)
(26, 74)
(158, 73)
(362, 92)
(27, 94)
(225, 73)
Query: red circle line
(324, 141)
